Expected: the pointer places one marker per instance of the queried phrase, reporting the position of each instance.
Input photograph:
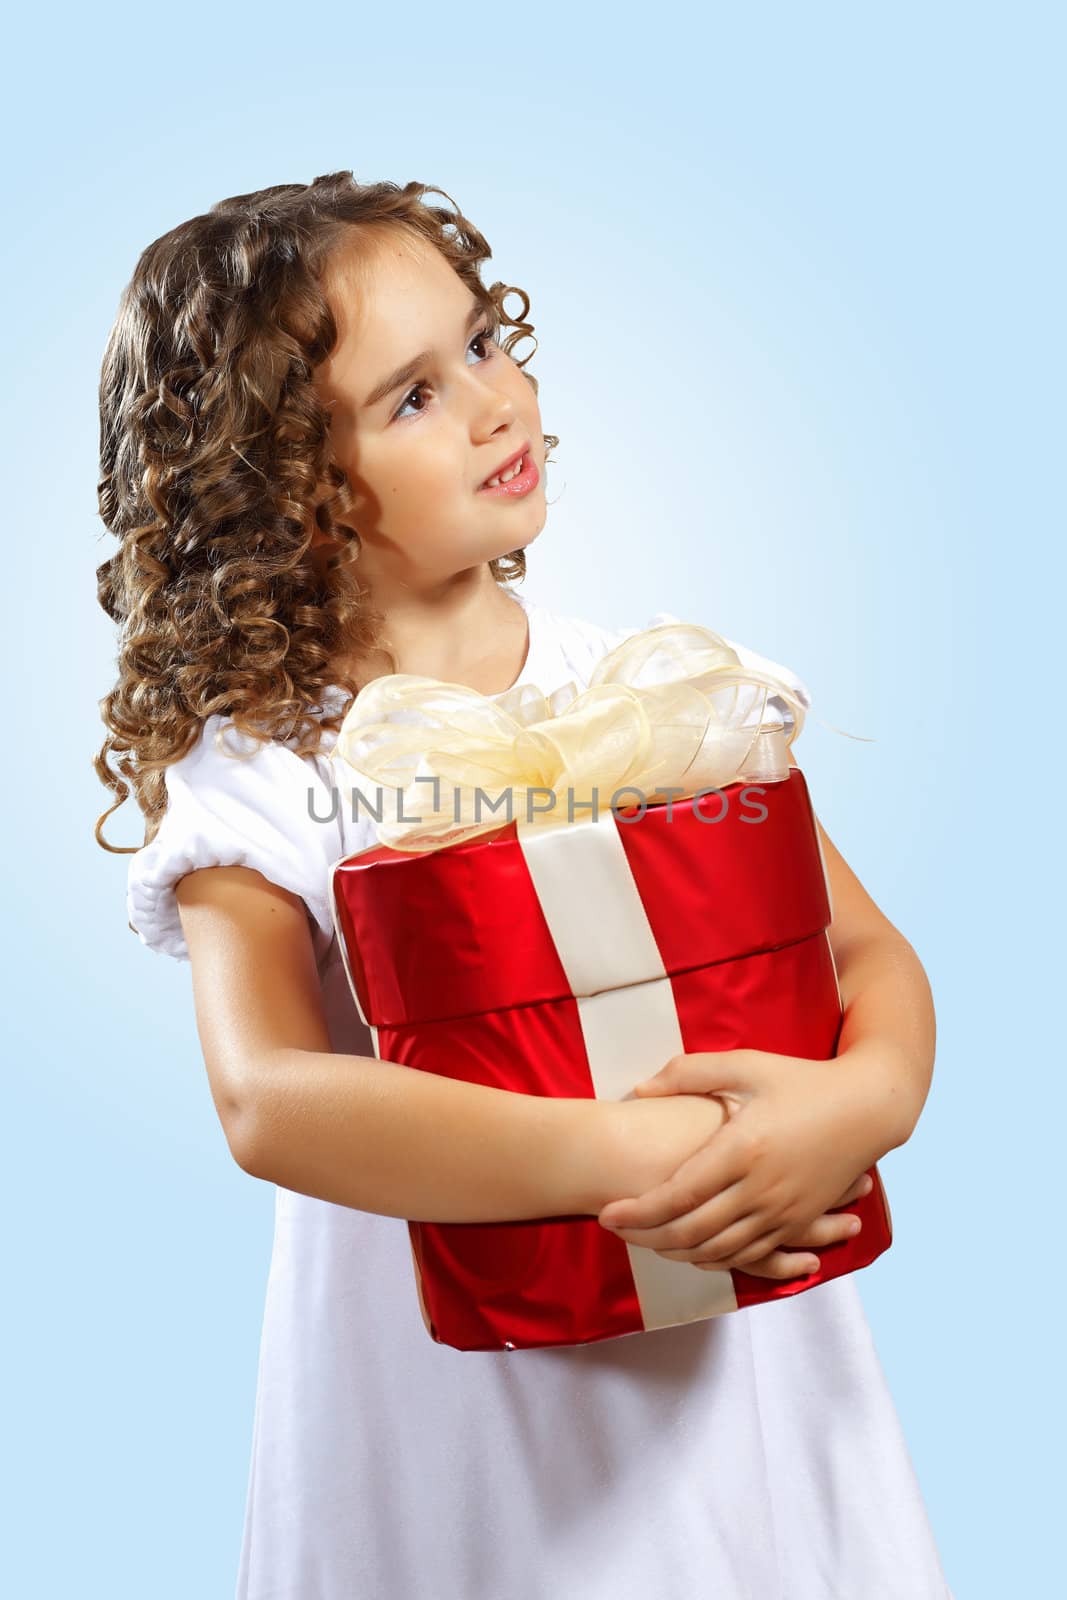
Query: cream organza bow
(667, 713)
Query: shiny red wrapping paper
(574, 961)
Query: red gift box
(575, 961)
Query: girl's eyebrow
(405, 373)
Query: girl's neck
(480, 640)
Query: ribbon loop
(669, 712)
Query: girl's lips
(525, 480)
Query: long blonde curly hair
(214, 450)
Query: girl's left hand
(796, 1137)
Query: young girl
(308, 422)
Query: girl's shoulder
(585, 642)
(598, 638)
(561, 642)
(236, 801)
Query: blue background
(797, 276)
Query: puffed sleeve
(749, 658)
(262, 807)
(775, 703)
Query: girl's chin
(522, 541)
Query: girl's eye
(485, 335)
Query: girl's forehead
(381, 266)
(384, 292)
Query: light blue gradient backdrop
(798, 278)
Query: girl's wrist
(601, 1154)
(596, 1154)
(630, 1146)
(574, 1143)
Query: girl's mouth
(525, 479)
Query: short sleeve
(775, 703)
(748, 658)
(262, 807)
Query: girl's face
(417, 454)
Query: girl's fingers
(775, 1264)
(827, 1229)
(722, 1249)
(727, 1250)
(730, 1248)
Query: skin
(432, 446)
(797, 1128)
(415, 461)
(797, 1135)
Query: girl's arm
(888, 1036)
(794, 1121)
(378, 1136)
(889, 1032)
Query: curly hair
(214, 454)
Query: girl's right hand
(827, 1229)
(646, 1149)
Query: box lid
(454, 932)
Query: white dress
(754, 1456)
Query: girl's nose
(493, 407)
